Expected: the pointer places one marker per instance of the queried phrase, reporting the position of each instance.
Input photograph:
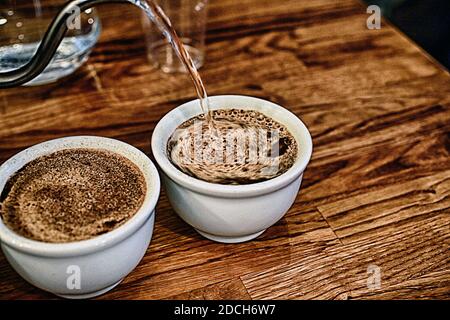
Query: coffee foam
(248, 138)
(72, 195)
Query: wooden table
(375, 195)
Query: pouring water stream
(157, 16)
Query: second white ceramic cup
(231, 213)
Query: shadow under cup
(231, 213)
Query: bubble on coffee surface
(237, 147)
(72, 195)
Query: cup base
(230, 239)
(91, 294)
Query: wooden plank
(227, 290)
(434, 285)
(410, 258)
(376, 190)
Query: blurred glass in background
(188, 17)
(427, 22)
(23, 24)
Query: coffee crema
(236, 146)
(72, 195)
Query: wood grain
(376, 192)
(412, 257)
(227, 290)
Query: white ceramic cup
(231, 213)
(87, 268)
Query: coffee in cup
(72, 195)
(234, 147)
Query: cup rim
(178, 115)
(77, 248)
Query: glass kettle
(64, 21)
(23, 24)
